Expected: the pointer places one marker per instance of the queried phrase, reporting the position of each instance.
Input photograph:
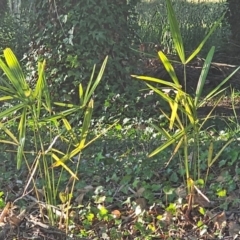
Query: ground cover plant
(189, 190)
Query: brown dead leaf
(5, 212)
(181, 191)
(234, 229)
(142, 203)
(222, 176)
(79, 198)
(139, 192)
(219, 220)
(14, 220)
(82, 193)
(201, 201)
(200, 198)
(231, 198)
(167, 218)
(40, 194)
(116, 214)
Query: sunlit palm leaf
(80, 94)
(175, 32)
(169, 68)
(22, 137)
(15, 74)
(85, 129)
(91, 88)
(215, 91)
(203, 75)
(11, 110)
(39, 88)
(174, 139)
(70, 130)
(199, 48)
(61, 163)
(9, 133)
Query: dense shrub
(195, 19)
(73, 36)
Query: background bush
(195, 20)
(73, 36)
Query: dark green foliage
(73, 36)
(3, 6)
(14, 33)
(233, 17)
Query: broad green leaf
(68, 105)
(176, 149)
(210, 113)
(46, 92)
(168, 99)
(7, 89)
(15, 67)
(22, 137)
(164, 132)
(105, 130)
(41, 90)
(203, 75)
(85, 100)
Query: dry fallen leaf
(5, 212)
(82, 193)
(219, 220)
(142, 203)
(233, 229)
(14, 220)
(201, 198)
(201, 201)
(181, 191)
(140, 192)
(167, 218)
(79, 198)
(116, 214)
